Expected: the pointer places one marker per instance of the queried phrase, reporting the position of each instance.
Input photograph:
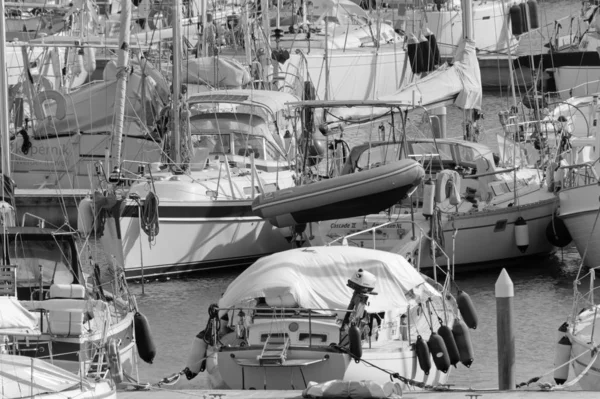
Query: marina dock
(477, 394)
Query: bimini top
(316, 278)
(272, 100)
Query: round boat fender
(57, 97)
(521, 234)
(143, 338)
(355, 342)
(196, 362)
(114, 361)
(447, 187)
(439, 352)
(423, 355)
(562, 354)
(460, 331)
(557, 233)
(446, 333)
(85, 216)
(467, 309)
(89, 59)
(428, 197)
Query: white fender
(197, 355)
(428, 197)
(57, 97)
(89, 59)
(75, 61)
(110, 71)
(114, 361)
(85, 216)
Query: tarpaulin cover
(25, 377)
(91, 109)
(15, 319)
(352, 389)
(461, 82)
(316, 278)
(218, 72)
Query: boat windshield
(52, 258)
(233, 133)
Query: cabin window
(247, 145)
(54, 257)
(313, 337)
(215, 143)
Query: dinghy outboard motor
(363, 284)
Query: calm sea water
(177, 309)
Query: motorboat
(302, 315)
(25, 377)
(240, 147)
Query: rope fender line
(149, 216)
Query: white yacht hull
(579, 210)
(489, 236)
(582, 341)
(572, 81)
(489, 25)
(197, 236)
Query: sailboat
(498, 213)
(27, 377)
(42, 273)
(311, 314)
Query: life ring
(57, 97)
(447, 186)
(167, 16)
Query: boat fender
(425, 52)
(438, 350)
(521, 234)
(523, 9)
(143, 338)
(355, 342)
(196, 362)
(53, 95)
(423, 355)
(434, 50)
(428, 197)
(516, 20)
(414, 54)
(534, 19)
(562, 354)
(89, 59)
(85, 216)
(446, 333)
(462, 337)
(467, 309)
(557, 233)
(439, 4)
(114, 361)
(75, 61)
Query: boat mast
(175, 133)
(5, 143)
(120, 100)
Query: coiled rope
(149, 216)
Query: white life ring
(447, 186)
(57, 97)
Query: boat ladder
(274, 352)
(98, 368)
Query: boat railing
(581, 174)
(418, 234)
(587, 299)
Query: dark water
(177, 309)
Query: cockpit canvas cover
(317, 278)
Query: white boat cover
(219, 72)
(15, 319)
(461, 82)
(100, 97)
(25, 377)
(316, 278)
(352, 389)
